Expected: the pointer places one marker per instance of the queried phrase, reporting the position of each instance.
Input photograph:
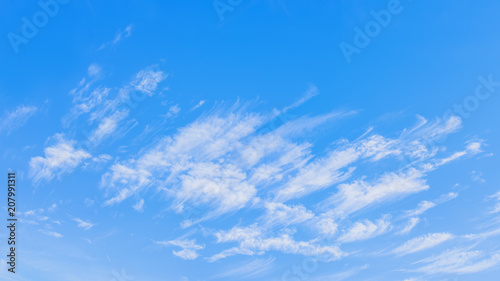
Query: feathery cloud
(52, 233)
(278, 214)
(365, 229)
(412, 222)
(360, 194)
(496, 209)
(426, 205)
(59, 159)
(198, 105)
(459, 262)
(189, 248)
(16, 118)
(252, 241)
(422, 243)
(86, 225)
(122, 34)
(139, 206)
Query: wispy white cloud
(173, 111)
(122, 34)
(422, 207)
(483, 235)
(426, 205)
(278, 214)
(359, 194)
(496, 209)
(52, 233)
(109, 108)
(133, 179)
(52, 208)
(59, 159)
(217, 161)
(88, 202)
(310, 93)
(472, 148)
(459, 261)
(189, 248)
(187, 154)
(94, 70)
(253, 241)
(108, 126)
(226, 161)
(422, 243)
(101, 158)
(330, 170)
(477, 177)
(433, 130)
(224, 185)
(412, 222)
(85, 97)
(16, 118)
(139, 206)
(85, 103)
(147, 80)
(352, 197)
(38, 216)
(86, 225)
(223, 162)
(319, 174)
(365, 229)
(112, 113)
(326, 225)
(200, 104)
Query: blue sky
(252, 140)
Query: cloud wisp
(16, 118)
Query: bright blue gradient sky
(163, 140)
